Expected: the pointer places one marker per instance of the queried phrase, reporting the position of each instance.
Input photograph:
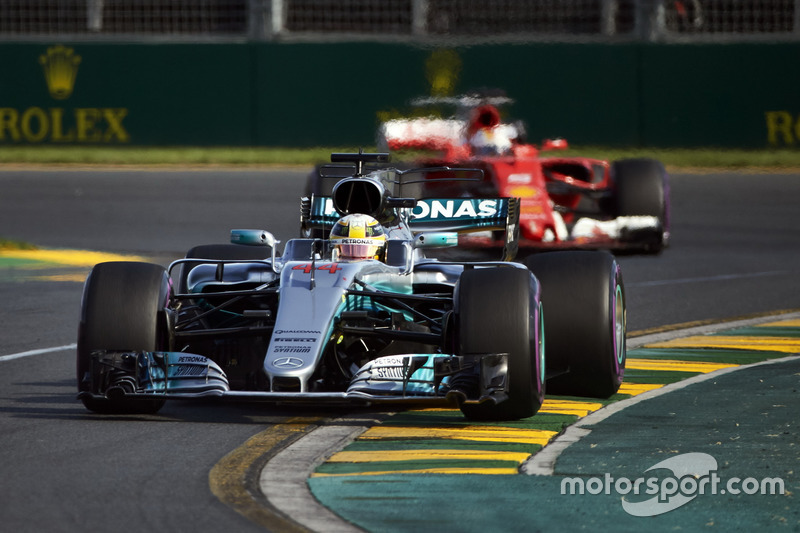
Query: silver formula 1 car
(241, 321)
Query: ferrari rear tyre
(584, 299)
(121, 310)
(497, 311)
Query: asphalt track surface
(734, 253)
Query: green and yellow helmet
(357, 237)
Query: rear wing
(421, 134)
(462, 215)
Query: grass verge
(775, 159)
(6, 244)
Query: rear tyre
(218, 251)
(642, 189)
(121, 310)
(497, 311)
(584, 298)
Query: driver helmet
(356, 237)
(486, 134)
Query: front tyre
(642, 189)
(122, 310)
(497, 311)
(584, 299)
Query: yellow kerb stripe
(491, 471)
(79, 278)
(569, 407)
(782, 324)
(373, 456)
(675, 366)
(81, 258)
(766, 344)
(471, 433)
(637, 388)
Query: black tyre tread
(642, 190)
(640, 187)
(120, 311)
(579, 330)
(493, 315)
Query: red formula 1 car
(567, 202)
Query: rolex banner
(99, 94)
(337, 94)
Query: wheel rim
(619, 328)
(540, 347)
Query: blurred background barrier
(658, 73)
(259, 20)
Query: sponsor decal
(692, 475)
(466, 208)
(521, 178)
(391, 372)
(389, 360)
(442, 69)
(192, 359)
(292, 349)
(60, 66)
(783, 129)
(40, 124)
(299, 339)
(184, 371)
(454, 208)
(523, 192)
(288, 362)
(296, 331)
(357, 241)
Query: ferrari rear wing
(462, 215)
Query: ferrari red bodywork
(567, 202)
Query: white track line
(723, 277)
(37, 352)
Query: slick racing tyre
(121, 311)
(218, 251)
(584, 301)
(642, 189)
(497, 311)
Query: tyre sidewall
(497, 311)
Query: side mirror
(253, 237)
(555, 144)
(436, 240)
(257, 237)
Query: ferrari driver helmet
(356, 237)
